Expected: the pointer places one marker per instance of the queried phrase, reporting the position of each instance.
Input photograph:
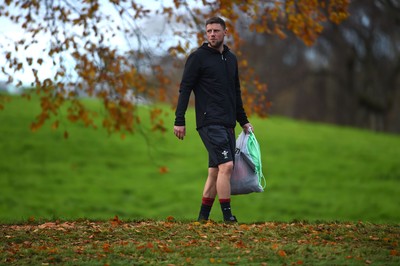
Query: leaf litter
(190, 243)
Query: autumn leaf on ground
(163, 170)
(116, 221)
(282, 253)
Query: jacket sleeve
(241, 116)
(188, 82)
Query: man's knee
(226, 168)
(212, 174)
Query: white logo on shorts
(225, 153)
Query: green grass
(171, 242)
(313, 171)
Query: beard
(216, 44)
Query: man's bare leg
(224, 180)
(210, 187)
(209, 194)
(224, 190)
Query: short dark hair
(217, 20)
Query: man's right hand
(180, 132)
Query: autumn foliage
(85, 61)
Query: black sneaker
(231, 219)
(202, 219)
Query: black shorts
(220, 143)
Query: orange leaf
(170, 219)
(116, 221)
(240, 244)
(53, 251)
(394, 253)
(55, 125)
(245, 227)
(106, 247)
(163, 170)
(282, 253)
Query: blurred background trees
(304, 59)
(350, 76)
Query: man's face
(215, 35)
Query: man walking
(211, 72)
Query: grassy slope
(313, 171)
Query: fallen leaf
(282, 253)
(240, 244)
(163, 170)
(275, 246)
(47, 225)
(106, 248)
(115, 221)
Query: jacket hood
(206, 47)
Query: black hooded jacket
(214, 79)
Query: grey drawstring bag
(247, 176)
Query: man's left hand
(247, 127)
